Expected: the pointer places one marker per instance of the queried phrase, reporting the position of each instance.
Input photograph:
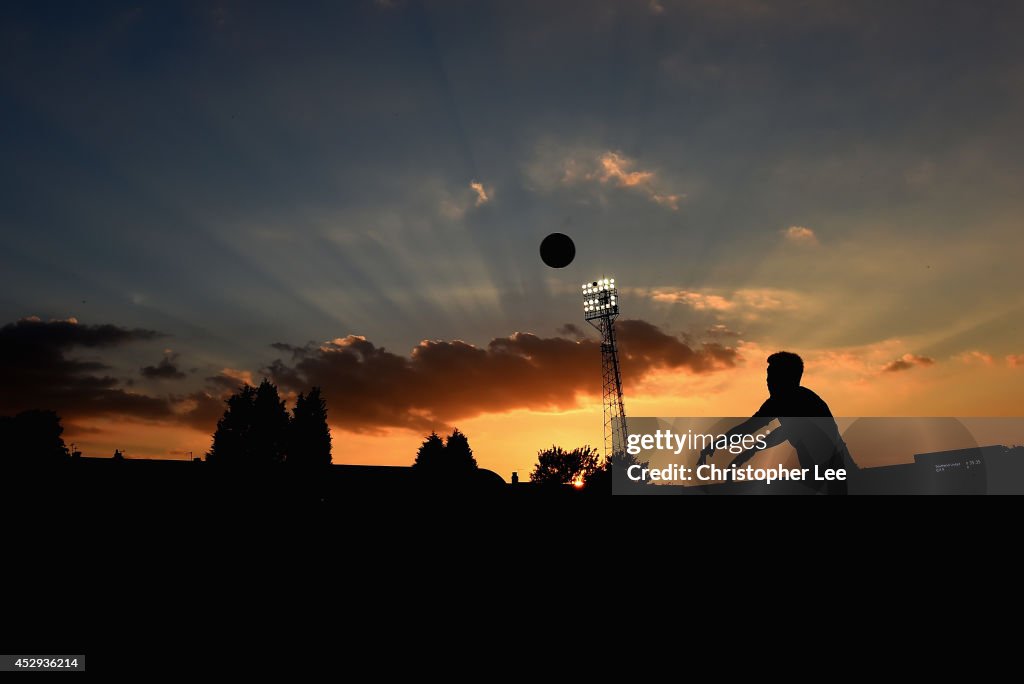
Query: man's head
(784, 372)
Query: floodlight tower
(600, 309)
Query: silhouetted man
(804, 421)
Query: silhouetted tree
(270, 425)
(310, 442)
(451, 457)
(254, 429)
(457, 453)
(558, 466)
(234, 430)
(33, 437)
(430, 454)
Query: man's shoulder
(810, 398)
(807, 393)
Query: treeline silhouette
(256, 429)
(558, 466)
(583, 467)
(32, 438)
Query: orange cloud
(370, 388)
(862, 364)
(974, 356)
(1015, 360)
(800, 235)
(748, 300)
(615, 169)
(232, 378)
(454, 204)
(609, 168)
(482, 197)
(907, 362)
(698, 301)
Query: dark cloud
(907, 362)
(39, 372)
(369, 388)
(64, 334)
(646, 347)
(167, 369)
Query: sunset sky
(352, 195)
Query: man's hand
(706, 453)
